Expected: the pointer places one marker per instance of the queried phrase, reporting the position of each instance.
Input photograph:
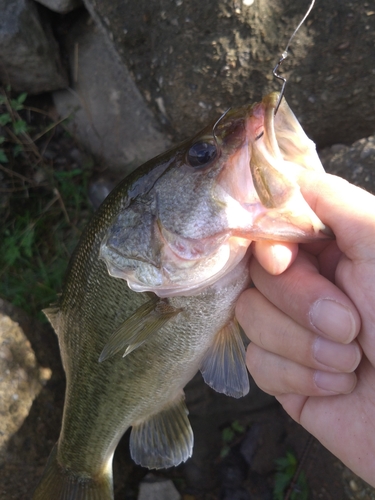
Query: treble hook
(284, 55)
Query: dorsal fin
(165, 439)
(53, 316)
(224, 367)
(137, 329)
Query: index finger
(309, 298)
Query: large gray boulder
(355, 162)
(61, 6)
(107, 113)
(29, 54)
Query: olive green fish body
(155, 277)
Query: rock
(108, 114)
(21, 378)
(29, 367)
(194, 59)
(153, 488)
(29, 57)
(100, 187)
(61, 6)
(209, 413)
(355, 163)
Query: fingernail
(337, 383)
(342, 357)
(333, 319)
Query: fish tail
(59, 484)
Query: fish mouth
(185, 267)
(262, 183)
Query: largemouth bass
(150, 292)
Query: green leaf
(227, 435)
(301, 490)
(20, 126)
(16, 104)
(236, 426)
(5, 119)
(3, 157)
(281, 483)
(224, 451)
(287, 462)
(21, 98)
(286, 467)
(68, 175)
(27, 242)
(2, 139)
(17, 149)
(12, 252)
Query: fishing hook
(284, 55)
(216, 124)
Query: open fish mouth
(265, 194)
(196, 222)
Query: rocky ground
(133, 78)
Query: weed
(43, 205)
(229, 435)
(16, 125)
(285, 481)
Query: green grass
(286, 471)
(43, 207)
(229, 435)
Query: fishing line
(284, 55)
(216, 124)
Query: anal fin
(224, 367)
(138, 328)
(165, 439)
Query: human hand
(310, 324)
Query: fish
(150, 291)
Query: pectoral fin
(136, 329)
(224, 367)
(165, 439)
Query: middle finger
(274, 331)
(310, 299)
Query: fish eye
(201, 153)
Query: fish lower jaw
(178, 277)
